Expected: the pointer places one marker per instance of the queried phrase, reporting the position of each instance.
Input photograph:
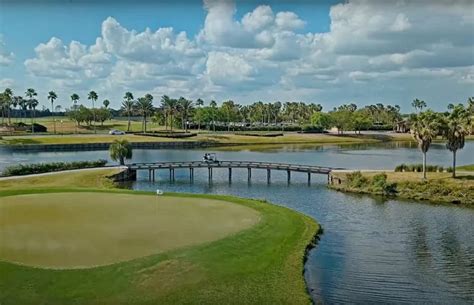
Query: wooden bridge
(249, 165)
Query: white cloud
(6, 57)
(289, 21)
(372, 49)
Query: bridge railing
(241, 164)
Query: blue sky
(285, 51)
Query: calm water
(372, 251)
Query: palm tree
(425, 127)
(32, 104)
(128, 106)
(74, 98)
(7, 99)
(185, 106)
(457, 124)
(16, 101)
(213, 106)
(30, 93)
(52, 96)
(145, 107)
(93, 97)
(418, 105)
(199, 104)
(170, 106)
(120, 150)
(106, 103)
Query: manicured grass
(469, 167)
(222, 139)
(79, 139)
(259, 265)
(80, 230)
(68, 126)
(77, 179)
(439, 187)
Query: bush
(379, 184)
(312, 129)
(418, 168)
(356, 179)
(29, 169)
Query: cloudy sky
(328, 52)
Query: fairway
(82, 230)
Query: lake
(372, 250)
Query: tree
(425, 126)
(106, 103)
(170, 107)
(185, 106)
(321, 120)
(418, 105)
(145, 107)
(31, 103)
(128, 106)
(120, 150)
(213, 113)
(17, 101)
(74, 98)
(7, 102)
(51, 97)
(199, 117)
(456, 126)
(93, 97)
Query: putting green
(82, 230)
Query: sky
(328, 52)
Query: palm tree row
(453, 125)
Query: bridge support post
(269, 174)
(172, 174)
(309, 178)
(149, 175)
(288, 172)
(191, 174)
(249, 176)
(153, 175)
(230, 174)
(210, 173)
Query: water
(372, 251)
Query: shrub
(449, 169)
(356, 179)
(418, 168)
(379, 184)
(401, 168)
(38, 168)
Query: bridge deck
(233, 164)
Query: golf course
(77, 240)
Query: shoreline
(440, 188)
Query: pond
(372, 250)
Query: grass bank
(219, 139)
(261, 264)
(438, 188)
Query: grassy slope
(261, 265)
(77, 179)
(468, 168)
(440, 187)
(229, 139)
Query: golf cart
(209, 157)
